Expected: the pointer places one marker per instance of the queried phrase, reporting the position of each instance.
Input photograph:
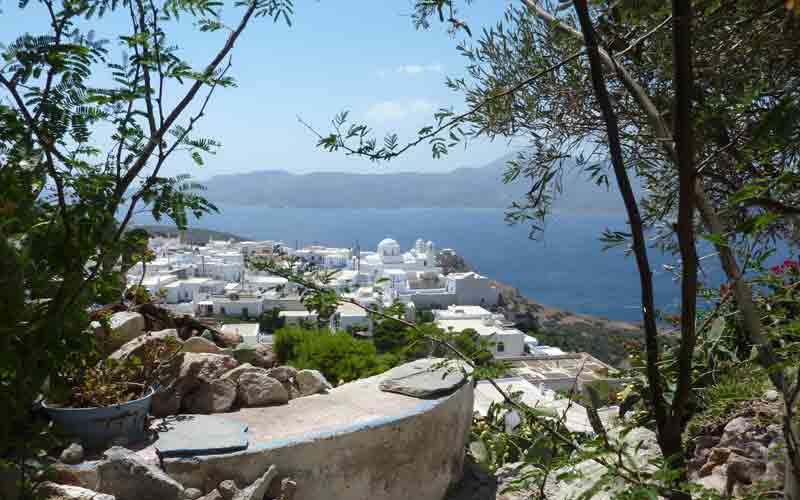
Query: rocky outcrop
(258, 389)
(746, 453)
(127, 476)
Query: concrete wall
(415, 454)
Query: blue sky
(361, 55)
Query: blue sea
(566, 269)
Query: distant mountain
(463, 187)
(191, 236)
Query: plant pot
(98, 427)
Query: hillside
(463, 187)
(191, 235)
(602, 338)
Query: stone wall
(398, 448)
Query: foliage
(90, 382)
(340, 357)
(270, 320)
(85, 138)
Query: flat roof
(459, 325)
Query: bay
(567, 269)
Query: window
(501, 347)
(222, 311)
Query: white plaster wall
(409, 456)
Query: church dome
(388, 246)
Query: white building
(506, 340)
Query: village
(214, 283)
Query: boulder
(258, 389)
(137, 346)
(282, 373)
(54, 491)
(311, 382)
(265, 356)
(201, 345)
(72, 454)
(257, 355)
(126, 476)
(195, 373)
(241, 370)
(213, 495)
(125, 326)
(216, 396)
(206, 366)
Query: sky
(364, 56)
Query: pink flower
(792, 265)
(777, 270)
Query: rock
(72, 454)
(282, 373)
(83, 474)
(125, 326)
(311, 382)
(166, 401)
(258, 355)
(291, 390)
(703, 442)
(642, 448)
(195, 373)
(200, 345)
(425, 378)
(126, 476)
(192, 494)
(772, 395)
(258, 489)
(54, 491)
(257, 389)
(216, 396)
(745, 470)
(137, 346)
(206, 366)
(195, 435)
(240, 370)
(265, 357)
(288, 488)
(229, 339)
(214, 495)
(228, 489)
(736, 431)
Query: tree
(731, 155)
(271, 320)
(77, 160)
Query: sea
(565, 268)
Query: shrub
(340, 357)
